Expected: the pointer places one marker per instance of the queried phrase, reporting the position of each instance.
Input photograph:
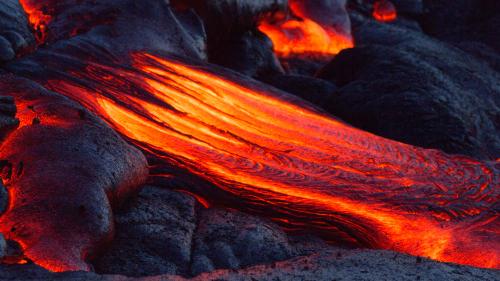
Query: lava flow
(301, 34)
(304, 169)
(37, 18)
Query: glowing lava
(384, 11)
(305, 169)
(37, 18)
(302, 35)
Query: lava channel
(286, 160)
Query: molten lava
(305, 169)
(384, 11)
(37, 18)
(302, 35)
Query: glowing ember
(305, 169)
(384, 11)
(37, 18)
(302, 35)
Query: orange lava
(312, 171)
(37, 18)
(384, 11)
(301, 35)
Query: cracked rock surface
(398, 79)
(167, 235)
(15, 34)
(164, 231)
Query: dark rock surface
(325, 265)
(227, 239)
(153, 235)
(15, 35)
(411, 7)
(463, 20)
(105, 29)
(314, 90)
(8, 120)
(167, 232)
(67, 168)
(4, 198)
(406, 86)
(250, 54)
(3, 246)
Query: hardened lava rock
(406, 86)
(154, 235)
(4, 199)
(111, 29)
(64, 169)
(464, 20)
(15, 35)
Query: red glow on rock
(273, 154)
(37, 18)
(301, 35)
(384, 11)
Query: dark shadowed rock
(314, 90)
(153, 235)
(411, 7)
(112, 29)
(463, 20)
(227, 17)
(8, 120)
(406, 86)
(250, 54)
(15, 35)
(230, 239)
(325, 265)
(3, 244)
(4, 198)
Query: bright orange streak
(304, 36)
(37, 18)
(267, 151)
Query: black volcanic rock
(314, 90)
(112, 29)
(406, 86)
(3, 243)
(153, 235)
(8, 120)
(4, 198)
(15, 35)
(227, 239)
(324, 265)
(167, 232)
(250, 54)
(463, 20)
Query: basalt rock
(111, 30)
(153, 235)
(3, 246)
(406, 86)
(227, 239)
(314, 90)
(15, 35)
(4, 199)
(167, 232)
(463, 20)
(64, 169)
(250, 54)
(326, 264)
